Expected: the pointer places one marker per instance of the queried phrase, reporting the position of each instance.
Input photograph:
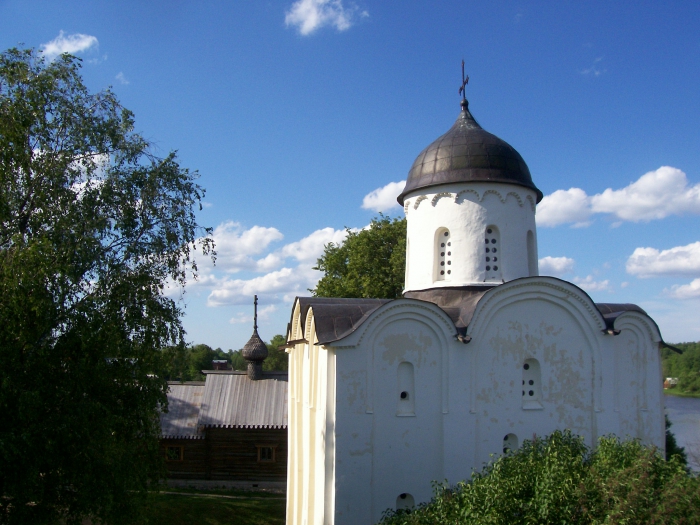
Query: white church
(480, 354)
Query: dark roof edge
(671, 347)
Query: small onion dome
(468, 153)
(254, 349)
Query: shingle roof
(233, 400)
(226, 399)
(184, 403)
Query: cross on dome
(465, 81)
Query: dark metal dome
(468, 153)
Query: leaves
(370, 263)
(685, 367)
(558, 479)
(93, 226)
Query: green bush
(558, 479)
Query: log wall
(231, 454)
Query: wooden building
(228, 427)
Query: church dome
(254, 349)
(468, 153)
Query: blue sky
(299, 113)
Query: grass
(215, 507)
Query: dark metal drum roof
(468, 153)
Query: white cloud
(121, 78)
(310, 248)
(276, 276)
(591, 285)
(686, 291)
(655, 195)
(235, 247)
(563, 206)
(273, 287)
(556, 266)
(72, 44)
(263, 314)
(384, 198)
(678, 261)
(310, 15)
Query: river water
(684, 414)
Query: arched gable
(420, 313)
(573, 302)
(637, 363)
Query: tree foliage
(185, 363)
(92, 227)
(672, 447)
(277, 359)
(369, 263)
(558, 479)
(685, 366)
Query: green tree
(92, 227)
(237, 360)
(672, 447)
(277, 359)
(685, 367)
(369, 263)
(201, 357)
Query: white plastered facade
(470, 214)
(356, 449)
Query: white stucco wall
(353, 449)
(466, 210)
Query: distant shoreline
(679, 393)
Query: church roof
(337, 318)
(468, 153)
(254, 349)
(458, 302)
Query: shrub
(558, 479)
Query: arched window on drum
(492, 255)
(443, 255)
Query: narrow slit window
(532, 385)
(406, 399)
(493, 259)
(443, 255)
